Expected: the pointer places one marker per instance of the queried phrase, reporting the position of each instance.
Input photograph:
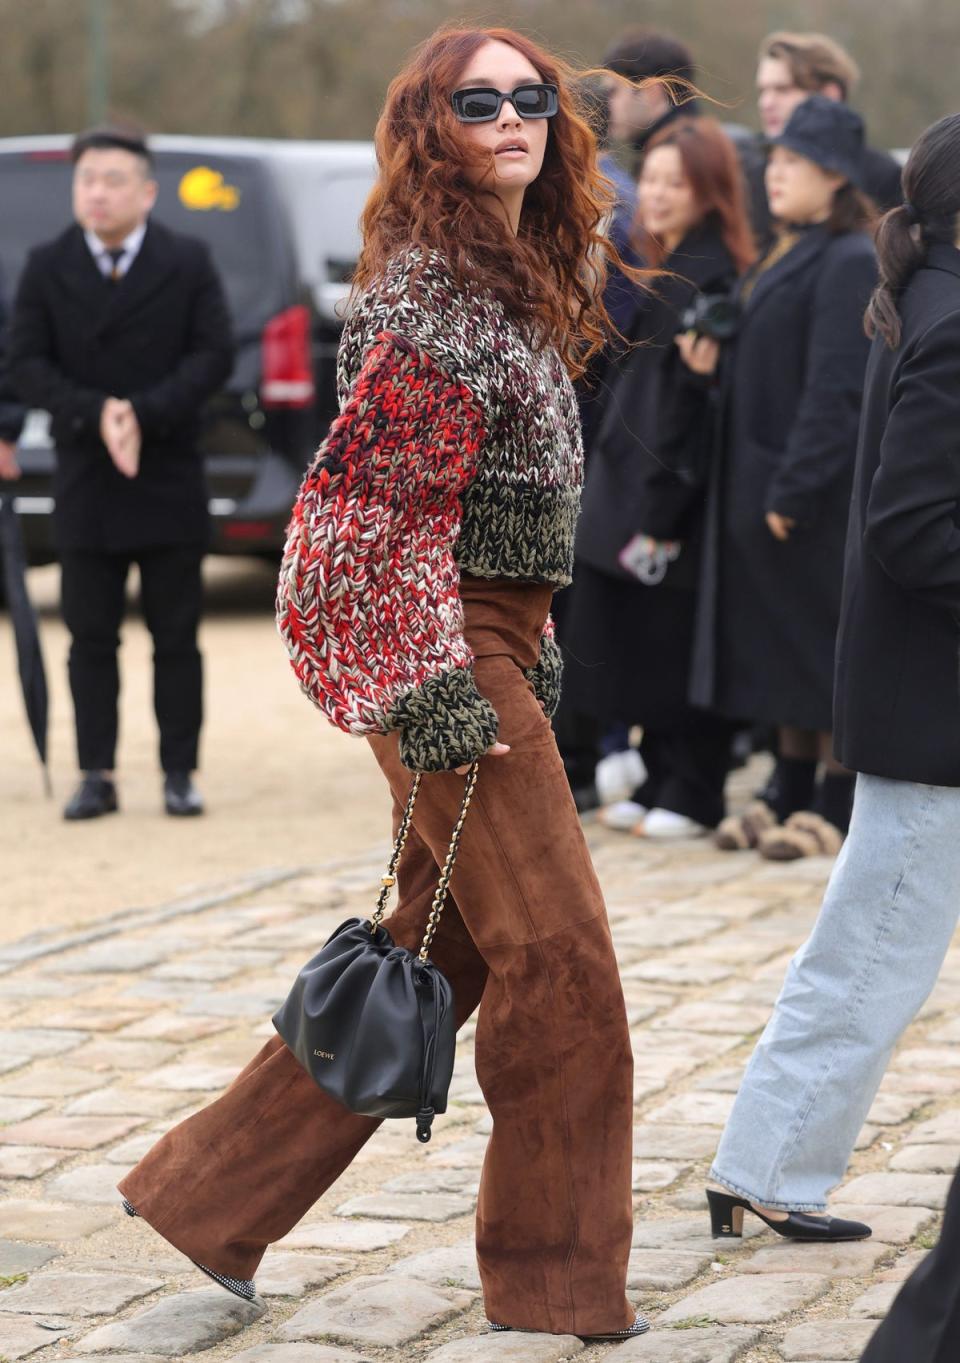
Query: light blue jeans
(851, 990)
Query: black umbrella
(33, 679)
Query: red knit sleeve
(368, 600)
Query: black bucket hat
(828, 133)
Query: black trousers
(687, 765)
(92, 588)
(924, 1322)
(577, 734)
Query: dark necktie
(116, 254)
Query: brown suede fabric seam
(561, 1077)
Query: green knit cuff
(546, 675)
(444, 723)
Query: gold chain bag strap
(373, 1023)
(390, 879)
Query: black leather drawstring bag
(372, 1022)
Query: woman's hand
(701, 354)
(495, 750)
(780, 526)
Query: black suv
(282, 222)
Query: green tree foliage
(319, 68)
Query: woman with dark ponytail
(900, 253)
(901, 249)
(892, 904)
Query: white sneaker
(623, 816)
(619, 774)
(664, 824)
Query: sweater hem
(521, 532)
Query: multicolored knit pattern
(457, 448)
(521, 504)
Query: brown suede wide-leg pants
(525, 935)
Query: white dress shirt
(131, 245)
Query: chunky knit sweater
(457, 448)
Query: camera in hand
(712, 314)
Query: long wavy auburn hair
(551, 274)
(711, 166)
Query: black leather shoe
(94, 796)
(726, 1222)
(180, 796)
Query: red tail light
(287, 373)
(247, 530)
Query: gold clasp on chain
(388, 880)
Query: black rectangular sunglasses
(483, 104)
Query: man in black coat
(643, 55)
(635, 113)
(120, 330)
(793, 66)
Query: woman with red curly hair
(427, 541)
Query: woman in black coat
(791, 390)
(890, 911)
(629, 622)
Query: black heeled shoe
(726, 1222)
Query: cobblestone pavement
(111, 1034)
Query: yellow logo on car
(202, 189)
